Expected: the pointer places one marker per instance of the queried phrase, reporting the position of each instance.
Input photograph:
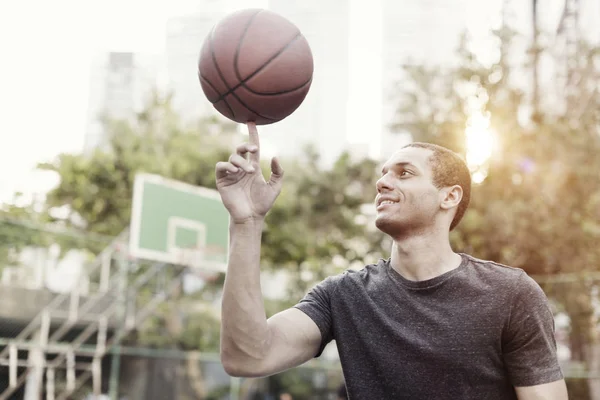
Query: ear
(451, 197)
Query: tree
(314, 225)
(24, 225)
(18, 223)
(97, 189)
(539, 206)
(317, 227)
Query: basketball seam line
(277, 93)
(231, 90)
(242, 84)
(250, 90)
(216, 91)
(252, 75)
(214, 58)
(238, 75)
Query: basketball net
(203, 261)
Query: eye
(404, 173)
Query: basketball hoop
(171, 220)
(205, 262)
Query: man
(426, 324)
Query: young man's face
(407, 200)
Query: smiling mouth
(385, 203)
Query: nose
(383, 184)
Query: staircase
(70, 336)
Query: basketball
(255, 66)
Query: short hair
(449, 169)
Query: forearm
(244, 329)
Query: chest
(442, 322)
(430, 344)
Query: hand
(240, 182)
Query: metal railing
(110, 306)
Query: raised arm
(548, 391)
(251, 345)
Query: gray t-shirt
(472, 333)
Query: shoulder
(514, 280)
(492, 271)
(351, 278)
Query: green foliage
(97, 188)
(313, 230)
(194, 330)
(539, 208)
(203, 332)
(17, 231)
(25, 224)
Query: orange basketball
(255, 65)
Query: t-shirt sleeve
(317, 305)
(529, 344)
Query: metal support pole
(102, 328)
(50, 387)
(105, 271)
(130, 318)
(234, 389)
(70, 371)
(45, 329)
(12, 365)
(36, 362)
(115, 370)
(115, 367)
(37, 359)
(74, 303)
(97, 376)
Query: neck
(424, 256)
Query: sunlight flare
(480, 143)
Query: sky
(47, 51)
(44, 75)
(45, 71)
(48, 48)
(44, 80)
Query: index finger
(253, 132)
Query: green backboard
(178, 223)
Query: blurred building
(120, 84)
(185, 35)
(321, 119)
(358, 49)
